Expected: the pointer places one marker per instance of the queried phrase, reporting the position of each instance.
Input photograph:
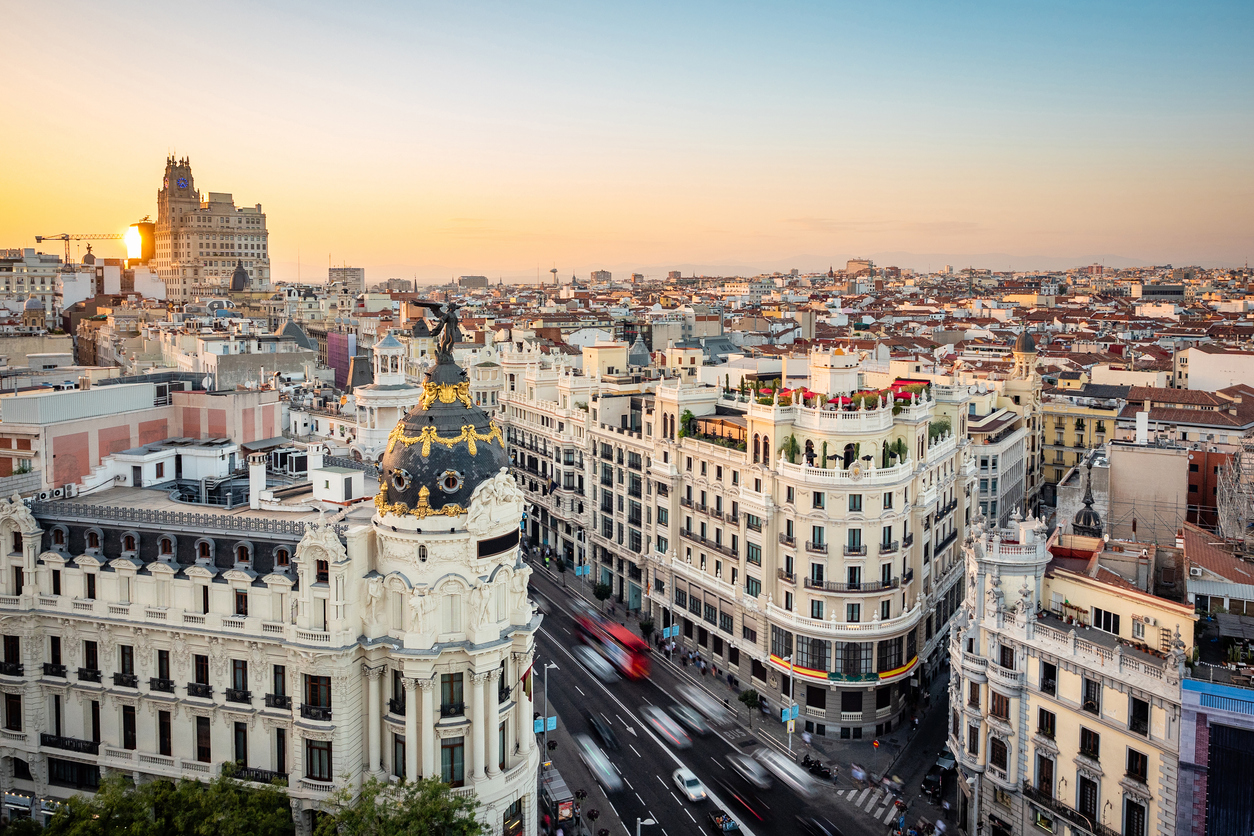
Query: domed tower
(1087, 522)
(1023, 388)
(449, 595)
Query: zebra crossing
(868, 800)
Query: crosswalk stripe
(892, 811)
(861, 797)
(870, 805)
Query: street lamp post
(640, 821)
(792, 702)
(546, 702)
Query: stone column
(492, 723)
(477, 722)
(375, 739)
(412, 746)
(523, 723)
(428, 728)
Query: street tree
(602, 591)
(752, 701)
(384, 809)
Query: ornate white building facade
(393, 641)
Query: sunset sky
(502, 139)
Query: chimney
(1142, 427)
(256, 479)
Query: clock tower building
(200, 239)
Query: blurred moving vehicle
(596, 664)
(788, 772)
(690, 719)
(626, 651)
(752, 808)
(666, 727)
(690, 785)
(812, 826)
(598, 764)
(749, 769)
(713, 710)
(932, 782)
(603, 730)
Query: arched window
(203, 551)
(128, 543)
(93, 540)
(849, 454)
(422, 553)
(766, 451)
(167, 546)
(58, 537)
(323, 570)
(809, 452)
(757, 448)
(282, 557)
(242, 554)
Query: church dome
(443, 449)
(33, 304)
(1024, 344)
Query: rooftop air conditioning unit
(1152, 622)
(1195, 572)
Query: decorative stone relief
(422, 603)
(494, 504)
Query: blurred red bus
(625, 650)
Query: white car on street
(598, 764)
(690, 785)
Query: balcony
(889, 548)
(862, 586)
(452, 709)
(907, 540)
(156, 683)
(1004, 676)
(700, 508)
(316, 712)
(396, 706)
(278, 701)
(787, 540)
(70, 744)
(199, 689)
(909, 576)
(733, 519)
(126, 680)
(754, 526)
(817, 548)
(11, 668)
(88, 675)
(790, 577)
(944, 544)
(685, 501)
(257, 776)
(54, 670)
(239, 695)
(1073, 816)
(503, 693)
(855, 551)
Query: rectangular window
(241, 744)
(201, 666)
(1046, 723)
(165, 740)
(1107, 621)
(128, 727)
(997, 753)
(973, 741)
(781, 642)
(753, 586)
(1007, 660)
(711, 614)
(681, 598)
(13, 712)
(820, 499)
(1090, 743)
(753, 553)
(126, 658)
(1092, 697)
(855, 502)
(318, 691)
(999, 705)
(1138, 717)
(725, 623)
(239, 674)
(663, 516)
(90, 659)
(452, 761)
(279, 683)
(816, 609)
(451, 690)
(973, 694)
(1133, 818)
(280, 750)
(853, 613)
(1138, 765)
(241, 602)
(318, 760)
(663, 545)
(204, 750)
(91, 587)
(1049, 678)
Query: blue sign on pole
(552, 726)
(786, 714)
(539, 725)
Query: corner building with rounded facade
(816, 563)
(392, 640)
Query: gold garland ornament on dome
(428, 435)
(445, 393)
(422, 510)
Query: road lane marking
(633, 748)
(716, 763)
(663, 783)
(745, 831)
(676, 799)
(641, 801)
(580, 690)
(689, 812)
(564, 630)
(628, 783)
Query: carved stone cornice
(373, 673)
(1045, 745)
(424, 684)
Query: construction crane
(67, 238)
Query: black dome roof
(239, 279)
(443, 449)
(1024, 344)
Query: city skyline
(500, 141)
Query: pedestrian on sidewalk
(945, 809)
(684, 659)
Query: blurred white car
(749, 769)
(714, 711)
(690, 719)
(596, 663)
(788, 772)
(690, 785)
(598, 764)
(666, 727)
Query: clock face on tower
(182, 182)
(165, 182)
